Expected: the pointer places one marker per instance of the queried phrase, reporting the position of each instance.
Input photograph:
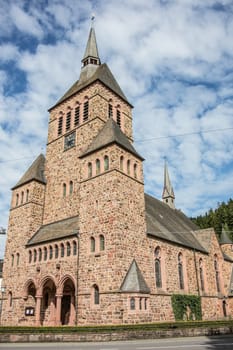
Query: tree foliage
(220, 217)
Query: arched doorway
(68, 303)
(48, 307)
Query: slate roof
(55, 230)
(34, 172)
(170, 224)
(225, 239)
(134, 281)
(111, 133)
(102, 74)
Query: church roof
(170, 224)
(56, 230)
(134, 281)
(109, 134)
(34, 172)
(225, 239)
(102, 74)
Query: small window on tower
(77, 116)
(68, 120)
(60, 124)
(85, 111)
(118, 117)
(110, 111)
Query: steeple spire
(168, 193)
(91, 60)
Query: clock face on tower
(69, 141)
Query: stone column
(58, 309)
(38, 308)
(72, 311)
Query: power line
(185, 134)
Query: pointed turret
(91, 60)
(168, 193)
(224, 238)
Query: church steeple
(91, 60)
(168, 193)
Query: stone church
(86, 245)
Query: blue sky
(173, 60)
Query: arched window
(12, 260)
(110, 111)
(201, 275)
(92, 244)
(106, 163)
(29, 256)
(17, 261)
(158, 276)
(102, 242)
(22, 197)
(62, 250)
(56, 251)
(68, 120)
(27, 195)
(89, 169)
(50, 252)
(10, 299)
(121, 163)
(85, 110)
(45, 253)
(34, 255)
(40, 254)
(135, 171)
(60, 125)
(96, 295)
(97, 162)
(132, 304)
(128, 167)
(77, 115)
(64, 190)
(216, 268)
(180, 271)
(74, 248)
(68, 250)
(17, 200)
(71, 187)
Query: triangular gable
(134, 281)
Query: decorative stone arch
(66, 292)
(26, 288)
(47, 290)
(43, 281)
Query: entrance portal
(65, 309)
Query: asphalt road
(195, 343)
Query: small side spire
(168, 193)
(91, 60)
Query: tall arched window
(22, 197)
(92, 244)
(180, 271)
(132, 304)
(110, 110)
(45, 253)
(71, 187)
(68, 250)
(62, 250)
(50, 252)
(56, 251)
(128, 167)
(60, 125)
(135, 169)
(106, 163)
(34, 255)
(29, 256)
(121, 163)
(40, 254)
(217, 277)
(201, 275)
(12, 260)
(85, 110)
(74, 248)
(97, 162)
(96, 295)
(102, 242)
(118, 117)
(89, 169)
(158, 275)
(64, 190)
(17, 261)
(17, 200)
(27, 195)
